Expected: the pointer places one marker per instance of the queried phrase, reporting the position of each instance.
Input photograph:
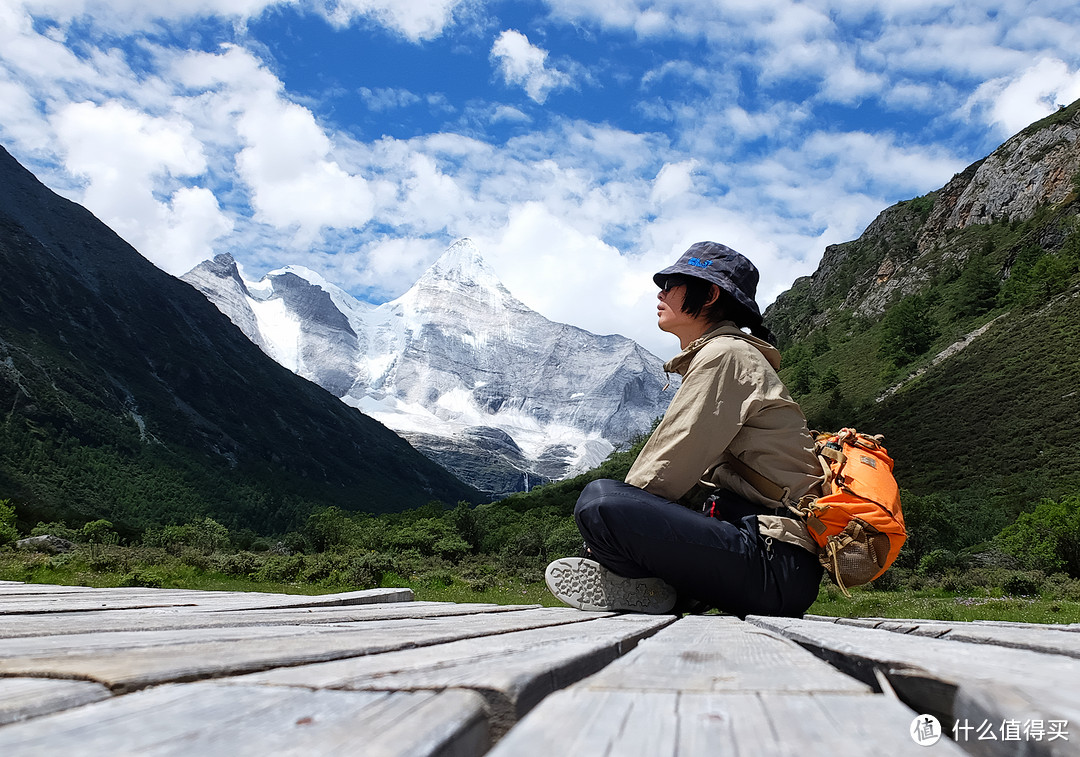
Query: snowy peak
(462, 262)
(459, 280)
(457, 365)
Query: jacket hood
(681, 362)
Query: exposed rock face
(457, 365)
(903, 249)
(1037, 166)
(45, 543)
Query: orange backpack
(857, 522)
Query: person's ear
(714, 295)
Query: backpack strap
(766, 487)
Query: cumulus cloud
(286, 164)
(188, 152)
(673, 180)
(192, 222)
(1012, 102)
(525, 64)
(128, 159)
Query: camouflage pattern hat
(723, 266)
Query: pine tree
(907, 331)
(977, 288)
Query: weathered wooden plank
(75, 603)
(953, 680)
(140, 598)
(164, 618)
(209, 720)
(1049, 639)
(513, 671)
(20, 587)
(583, 721)
(711, 653)
(1074, 627)
(130, 660)
(24, 698)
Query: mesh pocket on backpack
(856, 555)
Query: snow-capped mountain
(472, 377)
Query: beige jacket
(731, 402)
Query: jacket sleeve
(719, 391)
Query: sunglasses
(671, 282)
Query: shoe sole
(588, 585)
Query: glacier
(468, 374)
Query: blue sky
(582, 144)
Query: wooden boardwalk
(171, 672)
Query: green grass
(78, 569)
(927, 604)
(938, 604)
(509, 591)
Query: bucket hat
(730, 270)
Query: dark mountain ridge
(128, 396)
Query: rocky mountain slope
(952, 325)
(466, 372)
(128, 396)
(918, 242)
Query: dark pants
(723, 562)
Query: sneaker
(588, 585)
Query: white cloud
(384, 98)
(22, 121)
(1011, 103)
(129, 159)
(416, 20)
(509, 114)
(852, 158)
(192, 223)
(673, 180)
(286, 163)
(682, 70)
(566, 274)
(391, 266)
(285, 157)
(524, 64)
(187, 153)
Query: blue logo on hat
(699, 263)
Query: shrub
(143, 577)
(108, 560)
(280, 568)
(938, 562)
(1047, 538)
(209, 535)
(328, 527)
(907, 331)
(99, 532)
(366, 571)
(1023, 584)
(894, 579)
(241, 564)
(8, 532)
(323, 567)
(58, 528)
